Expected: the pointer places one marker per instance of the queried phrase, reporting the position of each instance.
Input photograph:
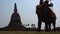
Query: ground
(28, 32)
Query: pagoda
(15, 21)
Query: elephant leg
(54, 25)
(39, 24)
(46, 26)
(50, 26)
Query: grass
(27, 32)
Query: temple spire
(15, 8)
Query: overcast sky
(26, 9)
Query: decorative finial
(15, 8)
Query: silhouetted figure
(45, 14)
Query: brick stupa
(15, 22)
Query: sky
(26, 10)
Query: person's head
(46, 2)
(41, 1)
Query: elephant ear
(52, 14)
